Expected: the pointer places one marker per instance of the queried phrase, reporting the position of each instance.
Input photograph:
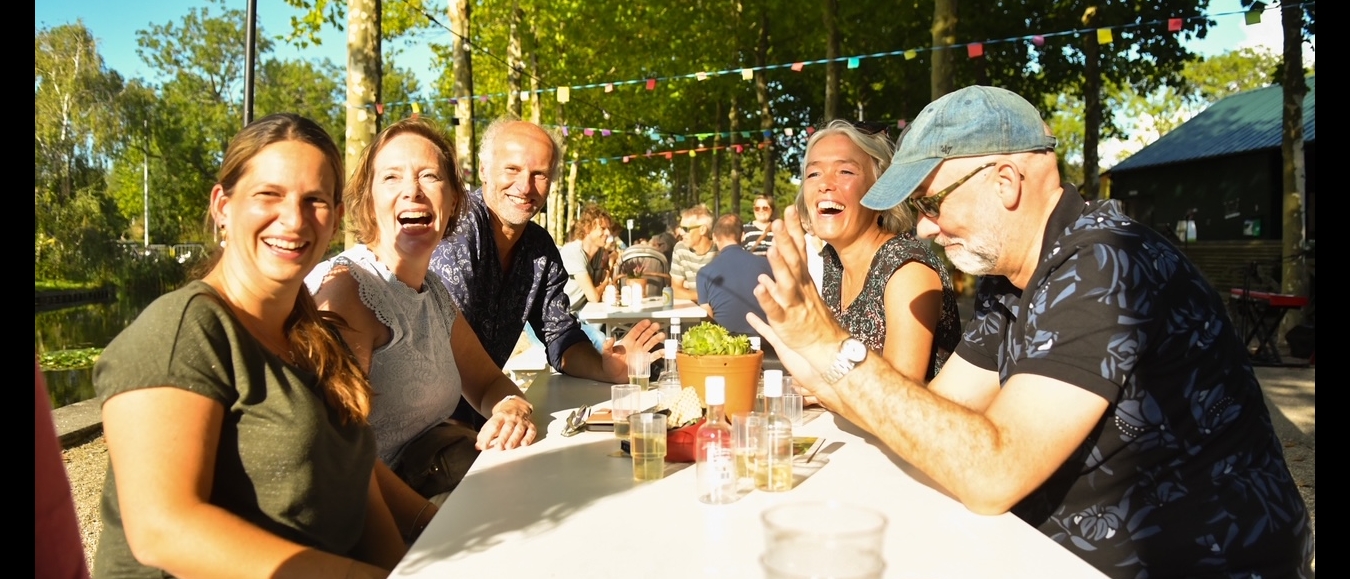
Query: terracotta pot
(740, 372)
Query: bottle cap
(715, 390)
(773, 383)
(672, 346)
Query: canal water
(81, 326)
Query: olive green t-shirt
(285, 462)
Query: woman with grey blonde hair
(887, 288)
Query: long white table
(651, 308)
(564, 507)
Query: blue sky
(114, 24)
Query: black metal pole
(250, 57)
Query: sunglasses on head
(869, 127)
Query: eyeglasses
(929, 205)
(763, 208)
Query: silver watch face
(854, 350)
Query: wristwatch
(851, 353)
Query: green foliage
(709, 339)
(60, 285)
(70, 359)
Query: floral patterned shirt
(497, 303)
(865, 318)
(1183, 476)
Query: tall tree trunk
(693, 180)
(564, 223)
(717, 160)
(734, 125)
(536, 110)
(1294, 277)
(944, 36)
(1092, 106)
(363, 82)
(762, 94)
(831, 8)
(463, 89)
(514, 61)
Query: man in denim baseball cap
(1099, 392)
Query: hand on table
(509, 427)
(644, 336)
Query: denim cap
(971, 122)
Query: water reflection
(82, 326)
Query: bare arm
(162, 443)
(913, 304)
(587, 286)
(682, 292)
(989, 459)
(486, 387)
(611, 364)
(364, 333)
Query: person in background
(693, 252)
(236, 419)
(585, 256)
(56, 531)
(757, 236)
(887, 288)
(503, 270)
(727, 283)
(1099, 393)
(405, 197)
(664, 242)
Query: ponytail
(321, 351)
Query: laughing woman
(886, 288)
(236, 421)
(405, 196)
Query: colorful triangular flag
(974, 50)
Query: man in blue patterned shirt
(1100, 392)
(504, 270)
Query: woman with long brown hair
(236, 420)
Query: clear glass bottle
(713, 454)
(773, 470)
(669, 384)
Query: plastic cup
(625, 399)
(744, 444)
(648, 445)
(792, 407)
(823, 539)
(640, 368)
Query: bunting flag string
(1104, 35)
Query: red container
(680, 442)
